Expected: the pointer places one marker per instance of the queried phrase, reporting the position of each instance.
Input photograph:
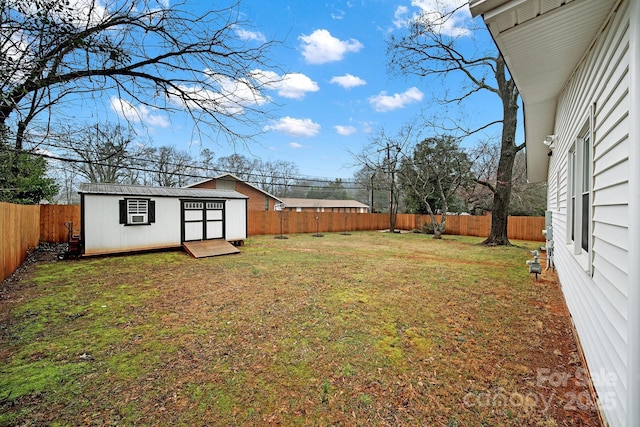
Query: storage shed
(125, 218)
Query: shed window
(137, 211)
(193, 205)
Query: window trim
(126, 214)
(579, 191)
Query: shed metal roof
(143, 190)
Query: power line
(301, 180)
(256, 176)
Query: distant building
(323, 205)
(258, 200)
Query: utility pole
(373, 175)
(390, 173)
(392, 176)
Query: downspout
(633, 310)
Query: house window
(137, 211)
(585, 191)
(579, 190)
(266, 203)
(215, 205)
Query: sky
(334, 91)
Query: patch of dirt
(561, 374)
(43, 253)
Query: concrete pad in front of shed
(206, 248)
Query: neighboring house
(577, 66)
(258, 200)
(323, 205)
(125, 218)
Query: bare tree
(276, 176)
(145, 54)
(383, 156)
(526, 198)
(238, 165)
(433, 48)
(105, 153)
(171, 167)
(484, 159)
(371, 185)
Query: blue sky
(334, 91)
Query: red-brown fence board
(19, 228)
(52, 219)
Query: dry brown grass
(366, 329)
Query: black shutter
(152, 211)
(123, 211)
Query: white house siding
(104, 234)
(598, 297)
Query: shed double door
(202, 220)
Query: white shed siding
(104, 234)
(236, 219)
(598, 299)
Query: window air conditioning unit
(137, 219)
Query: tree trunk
(438, 229)
(502, 191)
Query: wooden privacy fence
(20, 231)
(52, 219)
(21, 227)
(518, 227)
(268, 222)
(262, 222)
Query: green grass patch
(366, 329)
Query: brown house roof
(229, 176)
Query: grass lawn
(361, 329)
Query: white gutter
(633, 310)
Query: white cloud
(447, 17)
(348, 81)
(367, 127)
(401, 17)
(338, 15)
(291, 85)
(250, 35)
(345, 130)
(295, 127)
(321, 47)
(383, 102)
(232, 96)
(140, 114)
(295, 145)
